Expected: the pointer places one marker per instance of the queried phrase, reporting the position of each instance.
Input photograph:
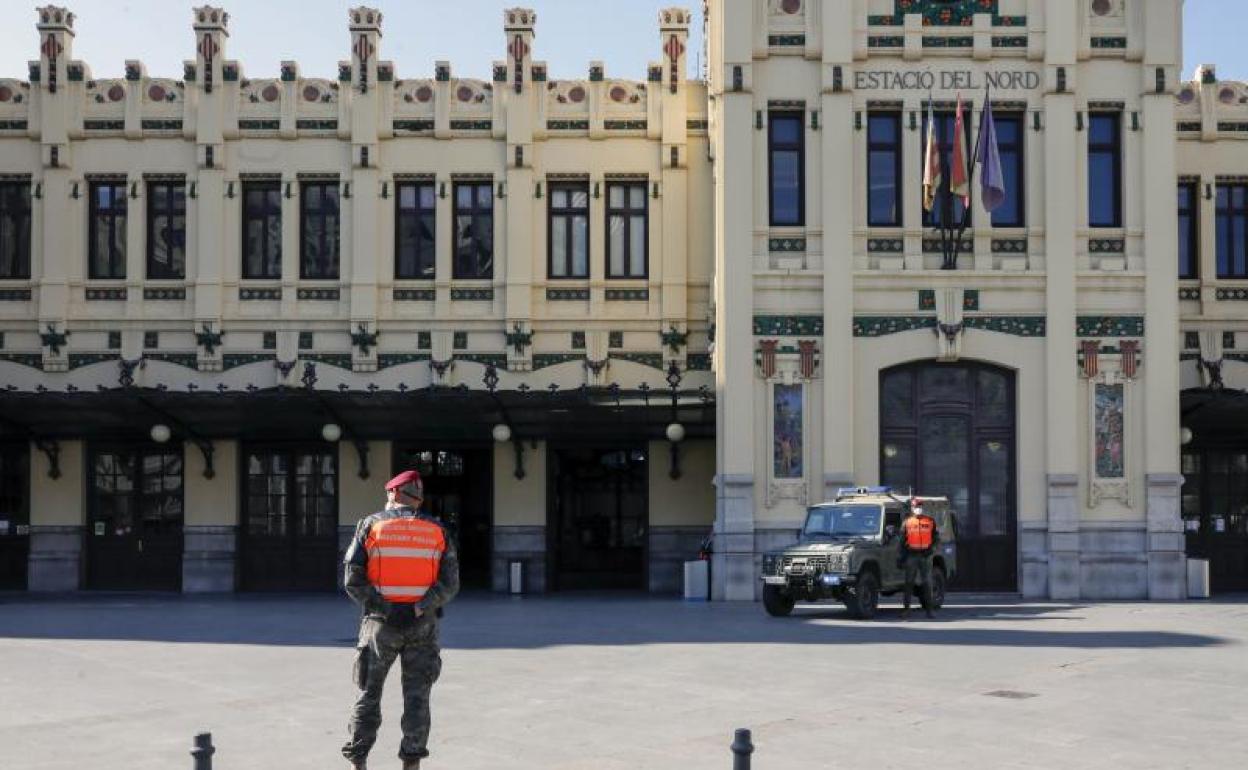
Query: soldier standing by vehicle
(919, 538)
(400, 568)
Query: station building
(606, 318)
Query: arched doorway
(949, 429)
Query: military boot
(411, 764)
(360, 765)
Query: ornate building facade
(605, 317)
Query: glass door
(290, 519)
(134, 529)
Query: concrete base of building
(208, 559)
(55, 558)
(670, 548)
(526, 545)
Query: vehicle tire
(939, 584)
(777, 603)
(865, 599)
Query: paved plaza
(607, 682)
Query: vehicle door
(890, 573)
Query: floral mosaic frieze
(881, 326)
(567, 295)
(472, 295)
(1109, 326)
(786, 41)
(652, 360)
(786, 245)
(1018, 326)
(885, 245)
(79, 360)
(340, 360)
(1009, 245)
(14, 295)
(1107, 246)
(414, 295)
(235, 360)
(254, 295)
(318, 295)
(188, 360)
(33, 360)
(543, 360)
(164, 294)
(949, 13)
(387, 360)
(788, 325)
(497, 360)
(105, 295)
(1189, 293)
(1231, 295)
(627, 295)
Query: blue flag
(992, 179)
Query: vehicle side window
(892, 518)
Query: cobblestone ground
(602, 682)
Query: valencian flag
(992, 179)
(959, 179)
(931, 162)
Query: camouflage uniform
(392, 631)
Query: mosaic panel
(788, 325)
(1108, 428)
(1109, 326)
(787, 432)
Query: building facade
(605, 318)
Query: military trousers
(415, 646)
(919, 567)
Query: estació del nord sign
(945, 80)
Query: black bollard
(203, 751)
(742, 748)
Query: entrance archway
(949, 429)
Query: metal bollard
(742, 748)
(203, 751)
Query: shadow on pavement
(486, 622)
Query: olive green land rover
(848, 552)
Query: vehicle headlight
(838, 562)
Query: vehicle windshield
(858, 520)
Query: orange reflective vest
(918, 532)
(403, 557)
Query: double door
(458, 484)
(134, 529)
(289, 532)
(599, 512)
(948, 429)
(1215, 512)
(14, 515)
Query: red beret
(406, 477)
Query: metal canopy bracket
(52, 450)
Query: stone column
(1061, 178)
(1167, 574)
(732, 568)
(838, 172)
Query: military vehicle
(848, 552)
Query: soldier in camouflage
(402, 630)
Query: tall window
(262, 229)
(166, 230)
(627, 229)
(474, 230)
(787, 178)
(884, 170)
(568, 242)
(1189, 229)
(108, 230)
(1013, 209)
(1232, 230)
(948, 207)
(14, 230)
(415, 220)
(318, 230)
(1104, 170)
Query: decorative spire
(674, 29)
(365, 25)
(518, 24)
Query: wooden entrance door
(599, 514)
(134, 528)
(459, 491)
(289, 533)
(1215, 513)
(14, 515)
(948, 429)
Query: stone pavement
(611, 682)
